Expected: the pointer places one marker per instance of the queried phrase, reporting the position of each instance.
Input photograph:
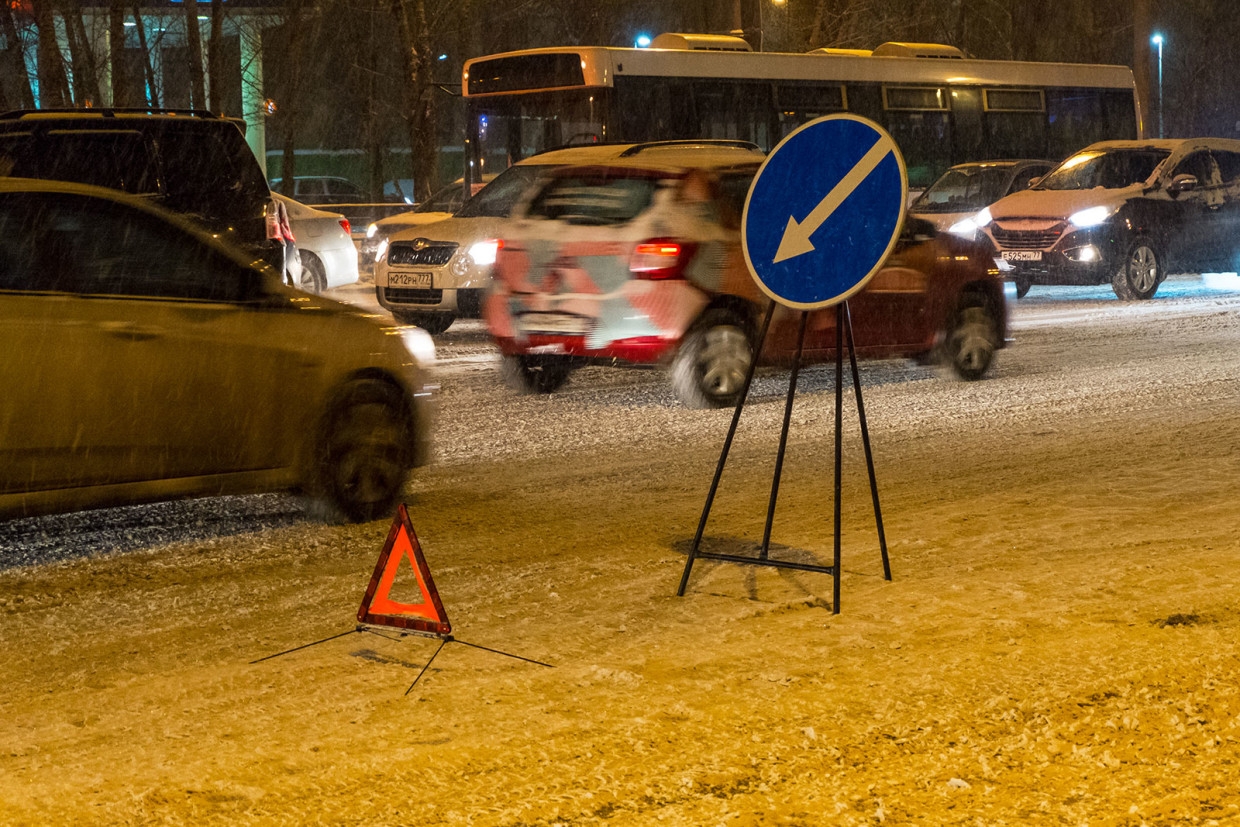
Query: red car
(638, 260)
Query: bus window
(799, 103)
(1015, 123)
(511, 127)
(653, 109)
(919, 121)
(1076, 118)
(734, 110)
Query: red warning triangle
(379, 609)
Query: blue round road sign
(824, 211)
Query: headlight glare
(1091, 217)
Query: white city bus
(941, 108)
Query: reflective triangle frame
(379, 609)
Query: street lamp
(1157, 40)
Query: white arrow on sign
(796, 236)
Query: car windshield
(497, 198)
(1110, 169)
(447, 199)
(964, 189)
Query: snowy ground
(1058, 644)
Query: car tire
(313, 275)
(971, 341)
(364, 456)
(535, 374)
(1139, 272)
(1022, 287)
(432, 323)
(709, 368)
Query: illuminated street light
(642, 41)
(1157, 40)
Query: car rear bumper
(637, 350)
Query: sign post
(824, 211)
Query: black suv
(190, 162)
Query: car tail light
(661, 258)
(273, 226)
(344, 225)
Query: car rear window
(600, 198)
(118, 159)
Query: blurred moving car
(193, 163)
(638, 261)
(1125, 213)
(951, 202)
(324, 246)
(144, 360)
(429, 275)
(443, 204)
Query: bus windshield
(507, 128)
(1109, 169)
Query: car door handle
(131, 330)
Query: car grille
(434, 255)
(1025, 239)
(411, 295)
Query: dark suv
(190, 162)
(1123, 212)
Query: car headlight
(483, 252)
(983, 217)
(381, 250)
(965, 228)
(1091, 217)
(420, 345)
(371, 229)
(460, 265)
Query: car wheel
(709, 369)
(363, 461)
(535, 374)
(1022, 287)
(313, 276)
(971, 342)
(432, 323)
(1139, 272)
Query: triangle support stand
(843, 325)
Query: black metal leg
(783, 438)
(839, 448)
(727, 446)
(865, 440)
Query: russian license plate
(409, 279)
(1022, 255)
(567, 324)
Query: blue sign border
(789, 195)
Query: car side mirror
(1033, 182)
(1182, 183)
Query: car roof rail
(110, 112)
(719, 143)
